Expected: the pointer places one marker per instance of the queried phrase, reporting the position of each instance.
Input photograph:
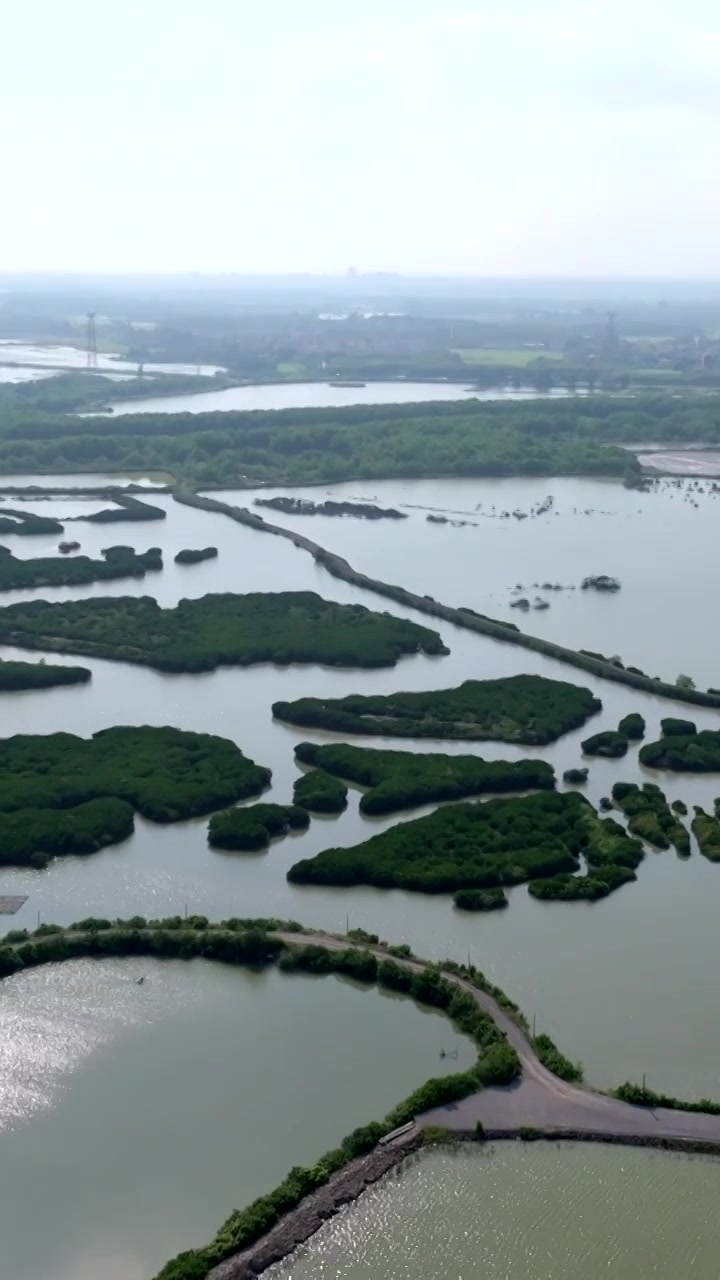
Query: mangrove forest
(527, 709)
(218, 630)
(401, 779)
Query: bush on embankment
(555, 1061)
(640, 1096)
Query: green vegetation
(194, 557)
(482, 846)
(53, 571)
(608, 743)
(640, 1096)
(706, 829)
(611, 856)
(577, 436)
(632, 726)
(26, 523)
(62, 794)
(650, 817)
(318, 445)
(31, 837)
(671, 727)
(253, 828)
(480, 899)
(526, 709)
(218, 630)
(696, 753)
(401, 779)
(319, 793)
(555, 1061)
(16, 676)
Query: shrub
(254, 827)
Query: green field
(506, 355)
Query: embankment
(297, 1226)
(489, 627)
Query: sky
(530, 137)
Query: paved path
(538, 1099)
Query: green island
(188, 556)
(254, 827)
(401, 779)
(218, 630)
(26, 523)
(539, 838)
(706, 829)
(53, 571)
(650, 817)
(614, 743)
(632, 726)
(527, 709)
(684, 750)
(480, 899)
(18, 676)
(60, 794)
(318, 792)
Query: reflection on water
(537, 1212)
(133, 1119)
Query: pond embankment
(301, 1223)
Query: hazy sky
(465, 136)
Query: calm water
(537, 1212)
(133, 1119)
(295, 395)
(599, 978)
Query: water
(656, 543)
(299, 395)
(599, 978)
(108, 1091)
(545, 1212)
(12, 373)
(134, 1119)
(76, 358)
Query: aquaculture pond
(550, 1212)
(141, 1101)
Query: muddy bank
(297, 1227)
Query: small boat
(338, 383)
(66, 547)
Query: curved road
(538, 1099)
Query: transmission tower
(91, 341)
